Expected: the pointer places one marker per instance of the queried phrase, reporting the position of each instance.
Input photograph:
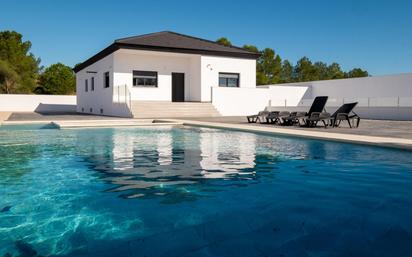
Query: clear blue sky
(372, 34)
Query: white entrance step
(163, 109)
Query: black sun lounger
(345, 112)
(317, 106)
(272, 117)
(282, 117)
(261, 117)
(294, 118)
(334, 120)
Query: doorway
(178, 87)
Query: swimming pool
(185, 191)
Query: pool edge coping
(84, 124)
(389, 142)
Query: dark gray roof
(168, 41)
(175, 40)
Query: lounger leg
(350, 126)
(324, 124)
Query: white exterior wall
(101, 98)
(125, 61)
(37, 103)
(201, 75)
(211, 67)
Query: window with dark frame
(106, 80)
(92, 84)
(229, 79)
(86, 85)
(144, 78)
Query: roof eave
(100, 55)
(116, 46)
(247, 55)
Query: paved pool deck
(378, 128)
(397, 134)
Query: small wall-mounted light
(209, 66)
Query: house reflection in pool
(167, 160)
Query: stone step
(159, 109)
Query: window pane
(150, 81)
(222, 82)
(232, 82)
(228, 79)
(140, 81)
(106, 79)
(145, 78)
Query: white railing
(122, 96)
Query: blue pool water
(181, 191)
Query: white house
(161, 67)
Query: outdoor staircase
(160, 109)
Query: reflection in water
(169, 161)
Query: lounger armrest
(324, 115)
(314, 115)
(342, 116)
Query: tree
(271, 70)
(251, 48)
(269, 66)
(321, 71)
(224, 41)
(260, 77)
(357, 73)
(15, 53)
(57, 79)
(335, 72)
(286, 73)
(8, 78)
(304, 70)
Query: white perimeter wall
(39, 103)
(372, 87)
(383, 97)
(247, 101)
